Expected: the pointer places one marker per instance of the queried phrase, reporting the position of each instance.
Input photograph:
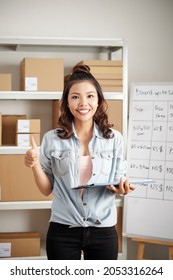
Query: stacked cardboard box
(0, 129)
(109, 73)
(17, 181)
(25, 129)
(19, 244)
(9, 123)
(115, 114)
(5, 82)
(42, 74)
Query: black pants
(65, 243)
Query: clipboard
(101, 185)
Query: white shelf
(61, 41)
(26, 95)
(29, 205)
(61, 44)
(114, 95)
(25, 205)
(13, 150)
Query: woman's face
(83, 101)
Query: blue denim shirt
(60, 159)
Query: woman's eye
(74, 97)
(91, 96)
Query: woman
(83, 150)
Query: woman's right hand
(32, 155)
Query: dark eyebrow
(88, 92)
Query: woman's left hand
(123, 187)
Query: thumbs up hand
(32, 155)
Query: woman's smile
(83, 111)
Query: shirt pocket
(60, 162)
(106, 158)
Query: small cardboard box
(115, 114)
(17, 181)
(19, 244)
(28, 126)
(5, 82)
(42, 74)
(0, 129)
(101, 62)
(9, 123)
(24, 139)
(55, 113)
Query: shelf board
(42, 95)
(26, 95)
(30, 205)
(25, 205)
(59, 43)
(13, 150)
(114, 95)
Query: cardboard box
(107, 76)
(28, 126)
(101, 62)
(112, 82)
(5, 82)
(109, 73)
(9, 123)
(42, 74)
(0, 129)
(19, 244)
(55, 112)
(17, 181)
(111, 88)
(106, 69)
(24, 139)
(115, 114)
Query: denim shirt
(60, 160)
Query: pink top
(85, 169)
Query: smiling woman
(84, 149)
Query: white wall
(146, 25)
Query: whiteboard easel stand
(142, 242)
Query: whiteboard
(148, 211)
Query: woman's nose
(82, 101)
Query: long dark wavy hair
(82, 73)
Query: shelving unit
(98, 48)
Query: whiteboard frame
(130, 201)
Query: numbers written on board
(150, 153)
